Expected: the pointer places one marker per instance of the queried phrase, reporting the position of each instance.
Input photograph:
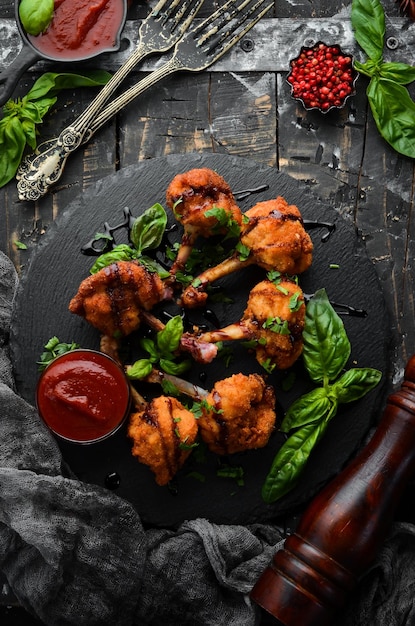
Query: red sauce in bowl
(81, 29)
(83, 396)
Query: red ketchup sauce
(83, 396)
(81, 29)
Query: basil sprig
(391, 105)
(36, 15)
(146, 234)
(161, 351)
(18, 126)
(53, 348)
(326, 351)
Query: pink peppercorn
(322, 76)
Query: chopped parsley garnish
(276, 325)
(228, 471)
(243, 251)
(225, 221)
(295, 301)
(54, 348)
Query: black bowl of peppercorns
(322, 77)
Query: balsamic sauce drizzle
(244, 193)
(105, 241)
(346, 309)
(330, 226)
(341, 309)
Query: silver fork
(202, 45)
(164, 26)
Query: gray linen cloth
(76, 554)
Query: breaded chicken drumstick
(190, 195)
(162, 434)
(275, 239)
(274, 318)
(238, 414)
(114, 299)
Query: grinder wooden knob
(340, 533)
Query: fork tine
(221, 12)
(155, 12)
(192, 7)
(253, 13)
(176, 11)
(216, 20)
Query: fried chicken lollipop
(162, 434)
(112, 300)
(238, 414)
(274, 318)
(190, 195)
(275, 238)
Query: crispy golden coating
(276, 237)
(242, 416)
(276, 316)
(162, 436)
(276, 240)
(198, 191)
(111, 299)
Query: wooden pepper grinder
(340, 533)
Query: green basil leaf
(368, 68)
(30, 111)
(139, 370)
(368, 23)
(52, 343)
(170, 367)
(168, 339)
(29, 129)
(12, 145)
(45, 104)
(51, 83)
(355, 383)
(308, 409)
(36, 15)
(149, 346)
(290, 461)
(122, 252)
(148, 229)
(399, 72)
(394, 113)
(153, 266)
(326, 345)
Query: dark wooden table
(242, 106)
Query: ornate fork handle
(41, 170)
(158, 33)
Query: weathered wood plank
(224, 113)
(276, 41)
(384, 216)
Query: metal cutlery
(201, 46)
(159, 32)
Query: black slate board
(53, 276)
